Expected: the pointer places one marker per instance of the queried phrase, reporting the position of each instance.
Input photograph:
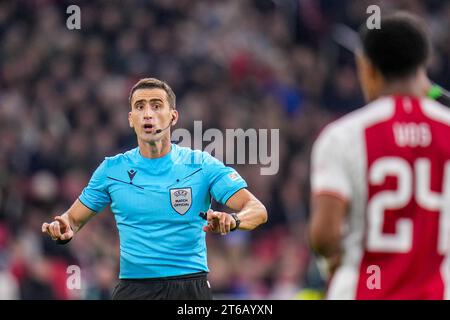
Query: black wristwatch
(238, 221)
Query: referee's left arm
(249, 210)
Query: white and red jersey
(391, 161)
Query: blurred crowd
(269, 64)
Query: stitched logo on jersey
(181, 199)
(131, 174)
(233, 176)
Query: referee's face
(151, 114)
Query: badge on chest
(181, 199)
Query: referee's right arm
(63, 228)
(93, 199)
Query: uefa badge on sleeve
(181, 199)
(233, 176)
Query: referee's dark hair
(399, 47)
(150, 83)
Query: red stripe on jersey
(407, 148)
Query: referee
(159, 193)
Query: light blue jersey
(156, 204)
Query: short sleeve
(329, 172)
(95, 195)
(223, 181)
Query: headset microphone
(161, 130)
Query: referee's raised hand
(219, 222)
(59, 229)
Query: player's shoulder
(436, 111)
(352, 123)
(376, 111)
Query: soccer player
(160, 195)
(380, 177)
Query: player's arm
(250, 211)
(331, 190)
(325, 229)
(63, 228)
